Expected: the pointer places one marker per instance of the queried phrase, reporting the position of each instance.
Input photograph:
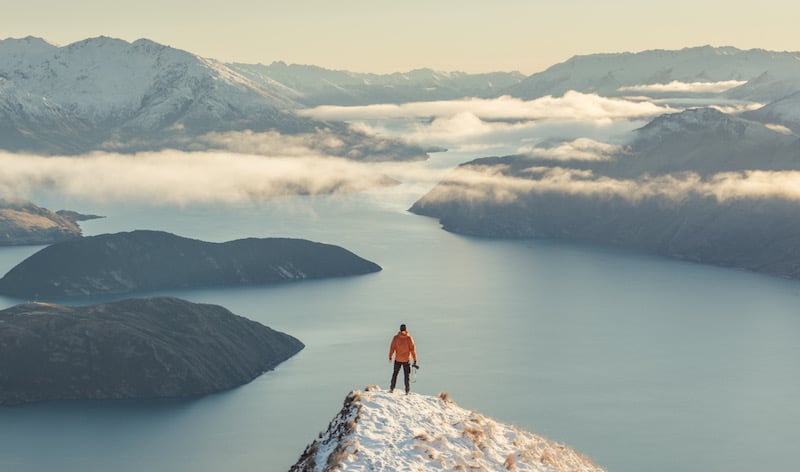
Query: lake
(639, 362)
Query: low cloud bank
(466, 132)
(272, 143)
(684, 87)
(179, 178)
(476, 183)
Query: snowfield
(381, 431)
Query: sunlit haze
(389, 36)
(585, 211)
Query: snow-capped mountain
(102, 78)
(614, 74)
(707, 141)
(102, 89)
(109, 94)
(380, 431)
(314, 85)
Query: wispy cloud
(779, 128)
(684, 87)
(581, 149)
(735, 109)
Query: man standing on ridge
(403, 346)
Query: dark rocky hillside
(137, 348)
(155, 260)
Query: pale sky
(387, 36)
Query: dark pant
(406, 373)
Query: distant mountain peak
(29, 45)
(716, 128)
(103, 89)
(705, 119)
(148, 42)
(28, 40)
(98, 41)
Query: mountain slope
(605, 74)
(698, 185)
(784, 112)
(23, 223)
(379, 431)
(139, 348)
(79, 96)
(314, 85)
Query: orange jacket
(403, 345)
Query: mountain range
(755, 74)
(108, 94)
(313, 85)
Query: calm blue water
(639, 362)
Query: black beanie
(402, 327)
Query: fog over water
(639, 362)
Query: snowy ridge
(313, 85)
(106, 77)
(108, 93)
(111, 95)
(102, 74)
(606, 74)
(380, 431)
